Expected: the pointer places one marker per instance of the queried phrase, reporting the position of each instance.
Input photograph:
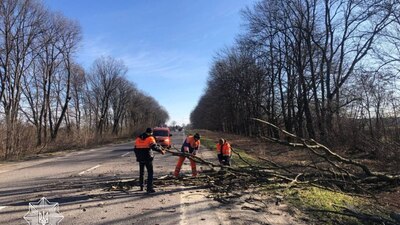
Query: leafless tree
(104, 79)
(19, 26)
(294, 64)
(40, 80)
(69, 39)
(78, 81)
(48, 81)
(119, 100)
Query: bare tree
(19, 27)
(78, 81)
(293, 65)
(69, 39)
(119, 100)
(49, 78)
(104, 79)
(40, 80)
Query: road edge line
(90, 169)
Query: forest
(321, 69)
(50, 102)
(317, 83)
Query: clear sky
(168, 45)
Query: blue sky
(168, 45)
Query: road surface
(77, 181)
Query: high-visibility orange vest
(144, 143)
(191, 143)
(224, 149)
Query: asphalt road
(78, 182)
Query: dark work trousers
(149, 168)
(224, 159)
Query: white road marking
(90, 169)
(2, 207)
(125, 154)
(183, 217)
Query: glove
(186, 149)
(159, 148)
(194, 152)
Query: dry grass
(66, 140)
(283, 155)
(386, 160)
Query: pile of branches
(324, 169)
(327, 168)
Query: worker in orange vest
(190, 145)
(224, 152)
(144, 146)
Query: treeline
(48, 101)
(322, 69)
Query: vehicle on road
(163, 136)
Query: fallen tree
(328, 166)
(324, 169)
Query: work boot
(141, 188)
(151, 190)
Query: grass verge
(324, 206)
(319, 205)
